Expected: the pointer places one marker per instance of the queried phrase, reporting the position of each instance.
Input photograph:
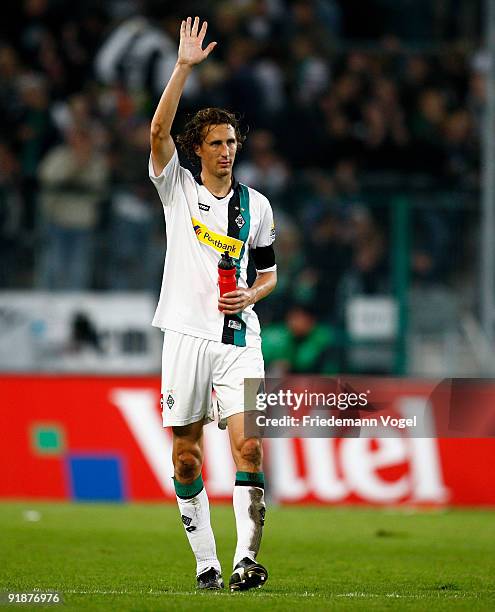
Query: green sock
(186, 491)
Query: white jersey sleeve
(169, 181)
(265, 236)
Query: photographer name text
(332, 421)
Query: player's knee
(187, 466)
(251, 453)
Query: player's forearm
(162, 145)
(161, 124)
(263, 285)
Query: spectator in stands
(328, 255)
(35, 134)
(368, 272)
(432, 252)
(73, 179)
(211, 91)
(293, 282)
(10, 104)
(133, 213)
(264, 22)
(265, 170)
(460, 150)
(426, 127)
(310, 71)
(10, 218)
(384, 135)
(138, 55)
(300, 345)
(317, 20)
(242, 85)
(476, 100)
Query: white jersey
(200, 227)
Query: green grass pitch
(136, 557)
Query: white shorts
(192, 368)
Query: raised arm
(190, 53)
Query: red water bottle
(226, 274)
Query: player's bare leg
(193, 503)
(249, 506)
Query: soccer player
(210, 341)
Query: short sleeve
(262, 247)
(168, 182)
(265, 236)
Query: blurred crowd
(328, 121)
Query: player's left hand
(236, 301)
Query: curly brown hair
(193, 133)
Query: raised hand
(191, 42)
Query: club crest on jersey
(219, 242)
(239, 220)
